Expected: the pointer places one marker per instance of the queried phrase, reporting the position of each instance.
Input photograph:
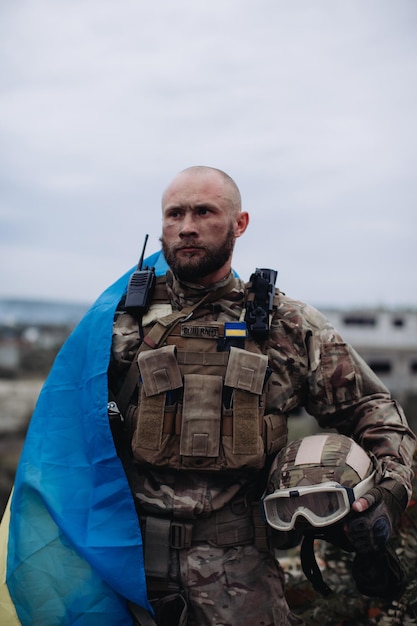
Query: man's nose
(188, 226)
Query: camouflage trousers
(237, 586)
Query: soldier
(222, 364)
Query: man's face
(199, 228)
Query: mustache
(186, 242)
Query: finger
(360, 505)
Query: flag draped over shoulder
(70, 542)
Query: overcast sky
(310, 105)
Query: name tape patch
(201, 332)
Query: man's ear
(241, 223)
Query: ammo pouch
(204, 409)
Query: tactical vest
(200, 408)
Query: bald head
(201, 219)
(200, 174)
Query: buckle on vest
(181, 535)
(240, 505)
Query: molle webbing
(200, 434)
(156, 336)
(245, 422)
(203, 358)
(201, 421)
(246, 374)
(171, 423)
(150, 427)
(160, 373)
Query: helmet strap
(310, 567)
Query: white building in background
(387, 341)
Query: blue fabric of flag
(75, 548)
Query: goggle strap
(350, 495)
(364, 486)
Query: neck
(201, 285)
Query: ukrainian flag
(70, 542)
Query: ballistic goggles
(321, 505)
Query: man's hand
(376, 568)
(369, 527)
(374, 516)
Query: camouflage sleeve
(344, 393)
(341, 391)
(125, 343)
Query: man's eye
(203, 210)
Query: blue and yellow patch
(235, 329)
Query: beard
(194, 267)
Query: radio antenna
(143, 253)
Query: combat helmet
(312, 484)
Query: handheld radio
(140, 287)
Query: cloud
(309, 106)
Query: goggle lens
(325, 505)
(317, 507)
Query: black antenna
(139, 267)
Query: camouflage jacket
(311, 367)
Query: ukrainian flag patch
(235, 329)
